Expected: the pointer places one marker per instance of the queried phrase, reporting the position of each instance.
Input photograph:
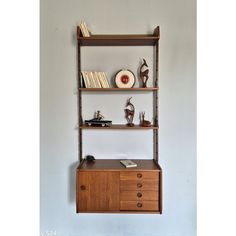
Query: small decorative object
(98, 120)
(144, 123)
(144, 74)
(98, 115)
(90, 158)
(125, 79)
(129, 113)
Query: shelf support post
(80, 121)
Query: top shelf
(119, 40)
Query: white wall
(59, 143)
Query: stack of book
(94, 79)
(84, 29)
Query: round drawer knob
(139, 175)
(139, 204)
(139, 195)
(139, 185)
(82, 187)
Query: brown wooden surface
(139, 195)
(160, 192)
(123, 212)
(139, 205)
(139, 185)
(115, 165)
(98, 191)
(119, 89)
(118, 40)
(138, 175)
(100, 175)
(118, 126)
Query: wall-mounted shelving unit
(106, 185)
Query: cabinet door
(98, 191)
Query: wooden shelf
(119, 89)
(118, 126)
(114, 164)
(119, 40)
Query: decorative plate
(125, 79)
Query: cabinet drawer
(139, 206)
(139, 195)
(139, 185)
(138, 175)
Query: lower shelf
(118, 126)
(106, 186)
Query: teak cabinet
(105, 185)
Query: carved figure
(98, 115)
(144, 74)
(144, 123)
(129, 113)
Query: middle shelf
(118, 126)
(120, 89)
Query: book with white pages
(101, 79)
(84, 79)
(87, 79)
(90, 80)
(82, 29)
(105, 79)
(86, 29)
(128, 163)
(95, 75)
(93, 79)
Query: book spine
(82, 29)
(85, 29)
(84, 79)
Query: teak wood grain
(138, 175)
(118, 126)
(139, 185)
(139, 205)
(119, 89)
(139, 196)
(115, 165)
(106, 186)
(98, 191)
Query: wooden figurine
(129, 113)
(98, 115)
(144, 123)
(144, 74)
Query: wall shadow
(72, 182)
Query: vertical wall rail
(157, 100)
(79, 104)
(155, 95)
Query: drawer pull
(139, 185)
(139, 175)
(139, 204)
(139, 195)
(82, 187)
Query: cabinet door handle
(82, 187)
(139, 175)
(139, 195)
(139, 185)
(139, 204)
